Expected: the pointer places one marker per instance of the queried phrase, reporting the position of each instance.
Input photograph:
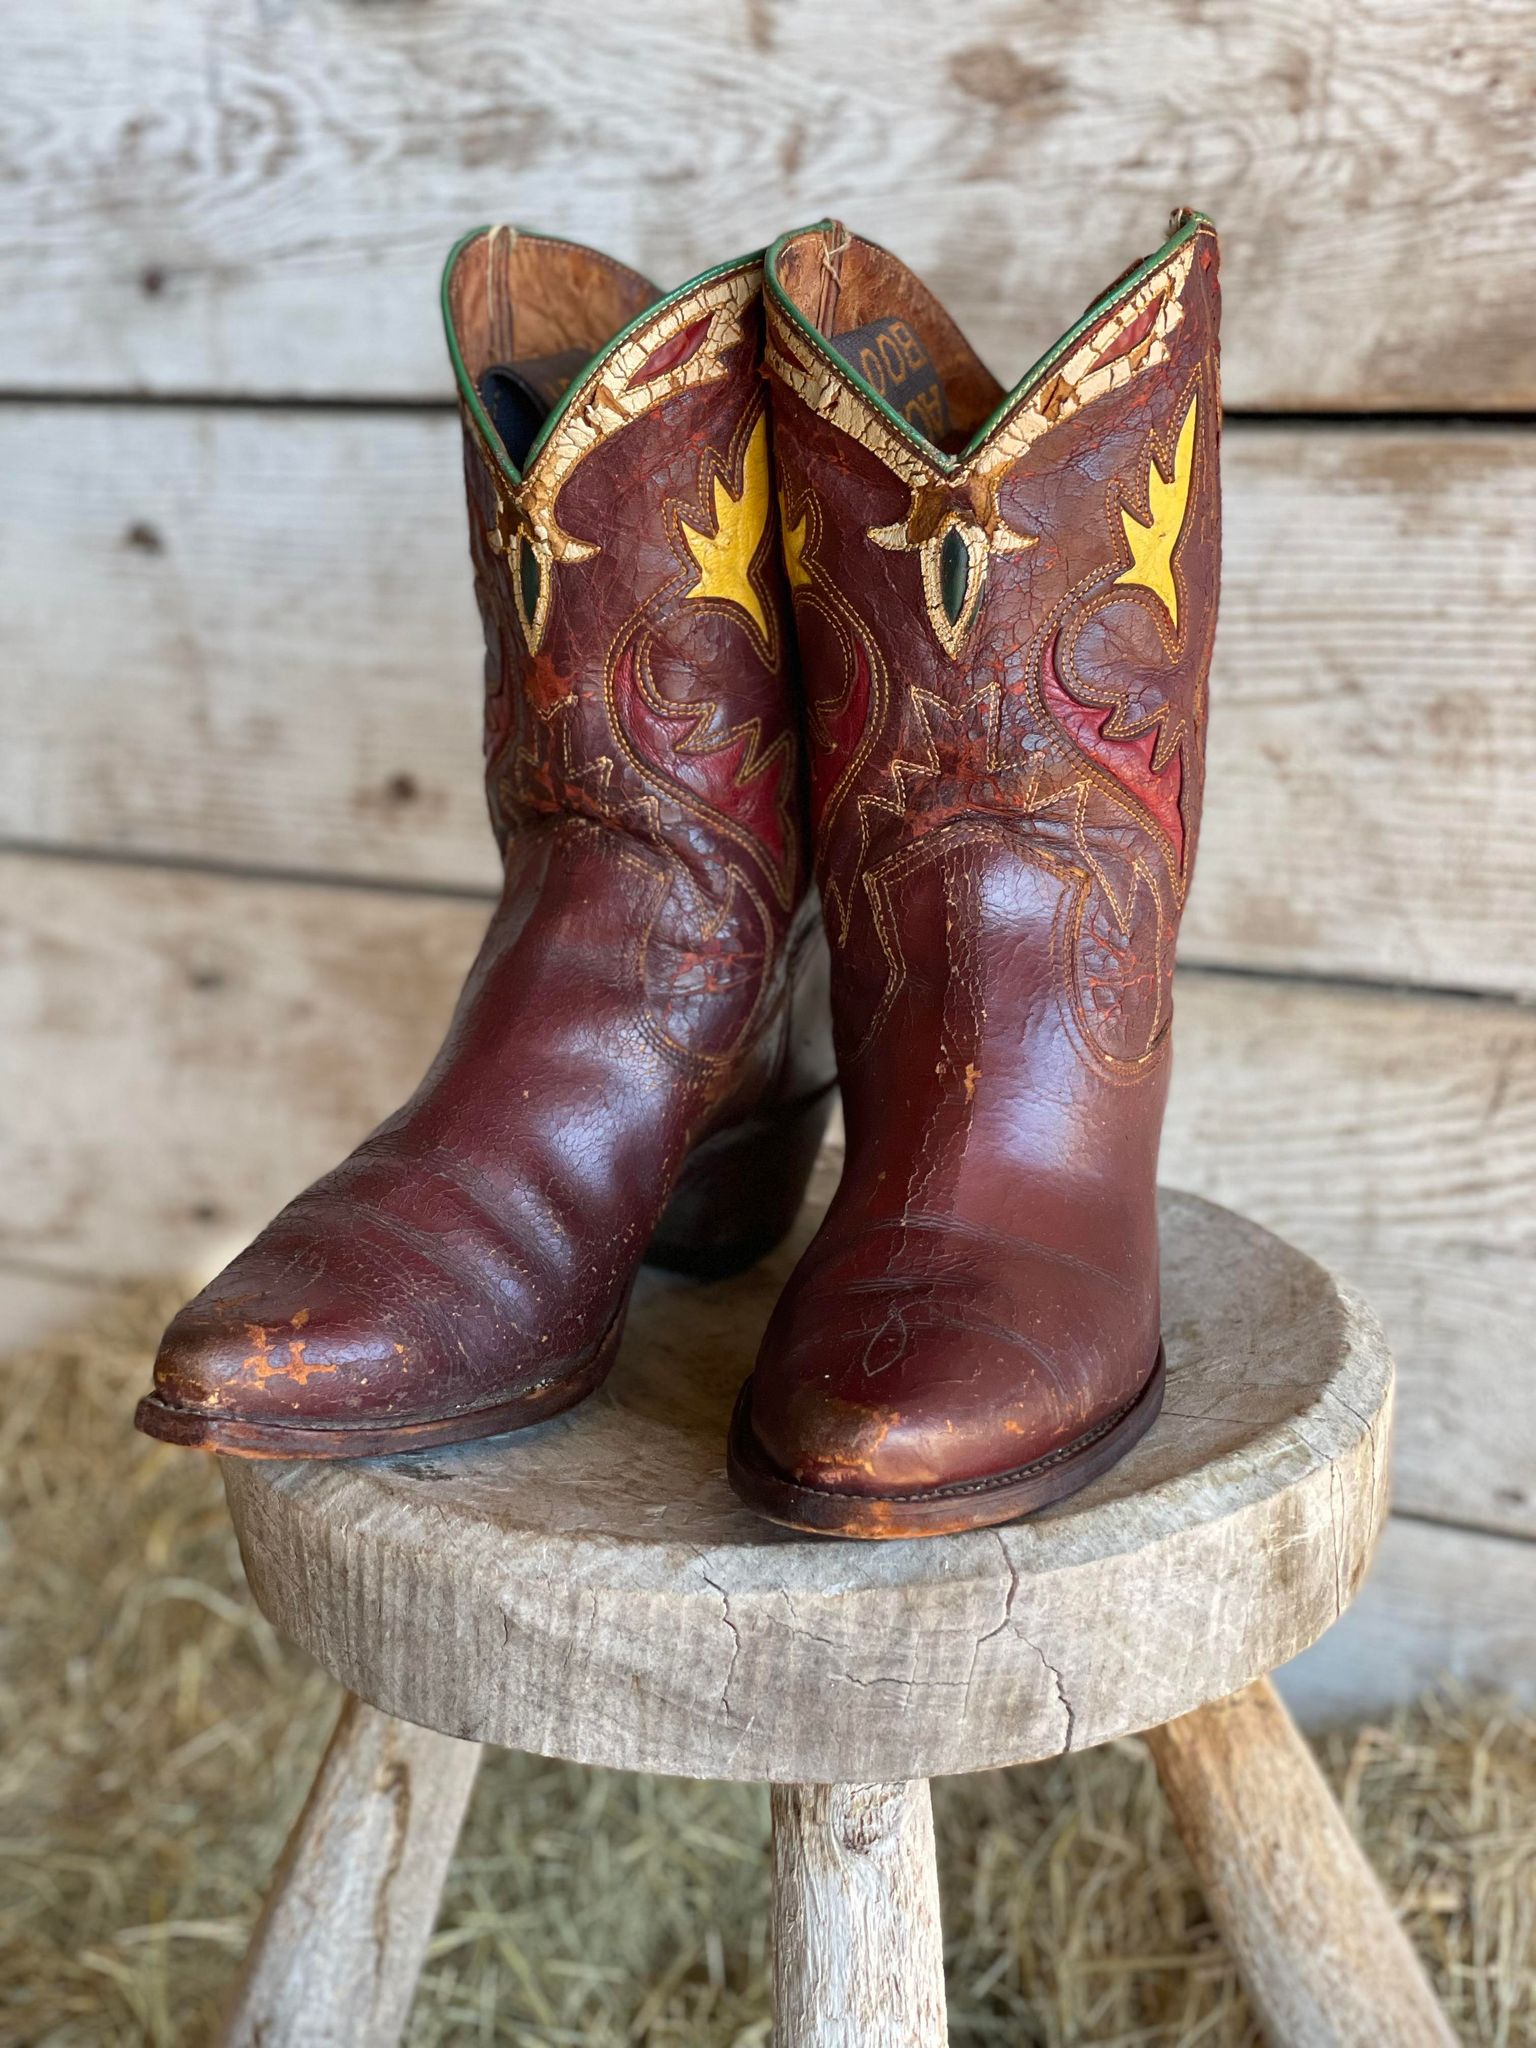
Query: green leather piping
(1010, 401)
(579, 385)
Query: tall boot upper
(636, 987)
(1005, 602)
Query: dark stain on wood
(999, 77)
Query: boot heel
(740, 1191)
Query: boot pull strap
(498, 314)
(837, 246)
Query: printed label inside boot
(893, 361)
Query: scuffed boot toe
(222, 1378)
(338, 1334)
(913, 1410)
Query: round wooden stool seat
(590, 1589)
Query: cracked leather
(1004, 647)
(645, 1020)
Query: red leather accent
(1129, 757)
(1137, 331)
(835, 727)
(740, 781)
(672, 353)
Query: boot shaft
(1005, 603)
(638, 692)
(626, 563)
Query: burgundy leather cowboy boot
(1005, 603)
(637, 1058)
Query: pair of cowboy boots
(950, 676)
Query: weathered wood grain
(245, 637)
(1393, 1137)
(858, 1958)
(250, 638)
(592, 1590)
(1371, 795)
(336, 1953)
(1440, 1603)
(1324, 1962)
(183, 1052)
(257, 199)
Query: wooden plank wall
(244, 859)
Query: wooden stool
(591, 1590)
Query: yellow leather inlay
(725, 557)
(794, 539)
(1096, 366)
(1152, 541)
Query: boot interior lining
(884, 320)
(527, 299)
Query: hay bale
(157, 1740)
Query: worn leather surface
(654, 972)
(1005, 802)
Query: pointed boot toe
(230, 1375)
(920, 1404)
(335, 1383)
(379, 1312)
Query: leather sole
(201, 1429)
(940, 1510)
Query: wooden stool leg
(1325, 1962)
(339, 1945)
(858, 1958)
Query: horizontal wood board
(257, 199)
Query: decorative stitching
(553, 757)
(605, 400)
(943, 489)
(1065, 780)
